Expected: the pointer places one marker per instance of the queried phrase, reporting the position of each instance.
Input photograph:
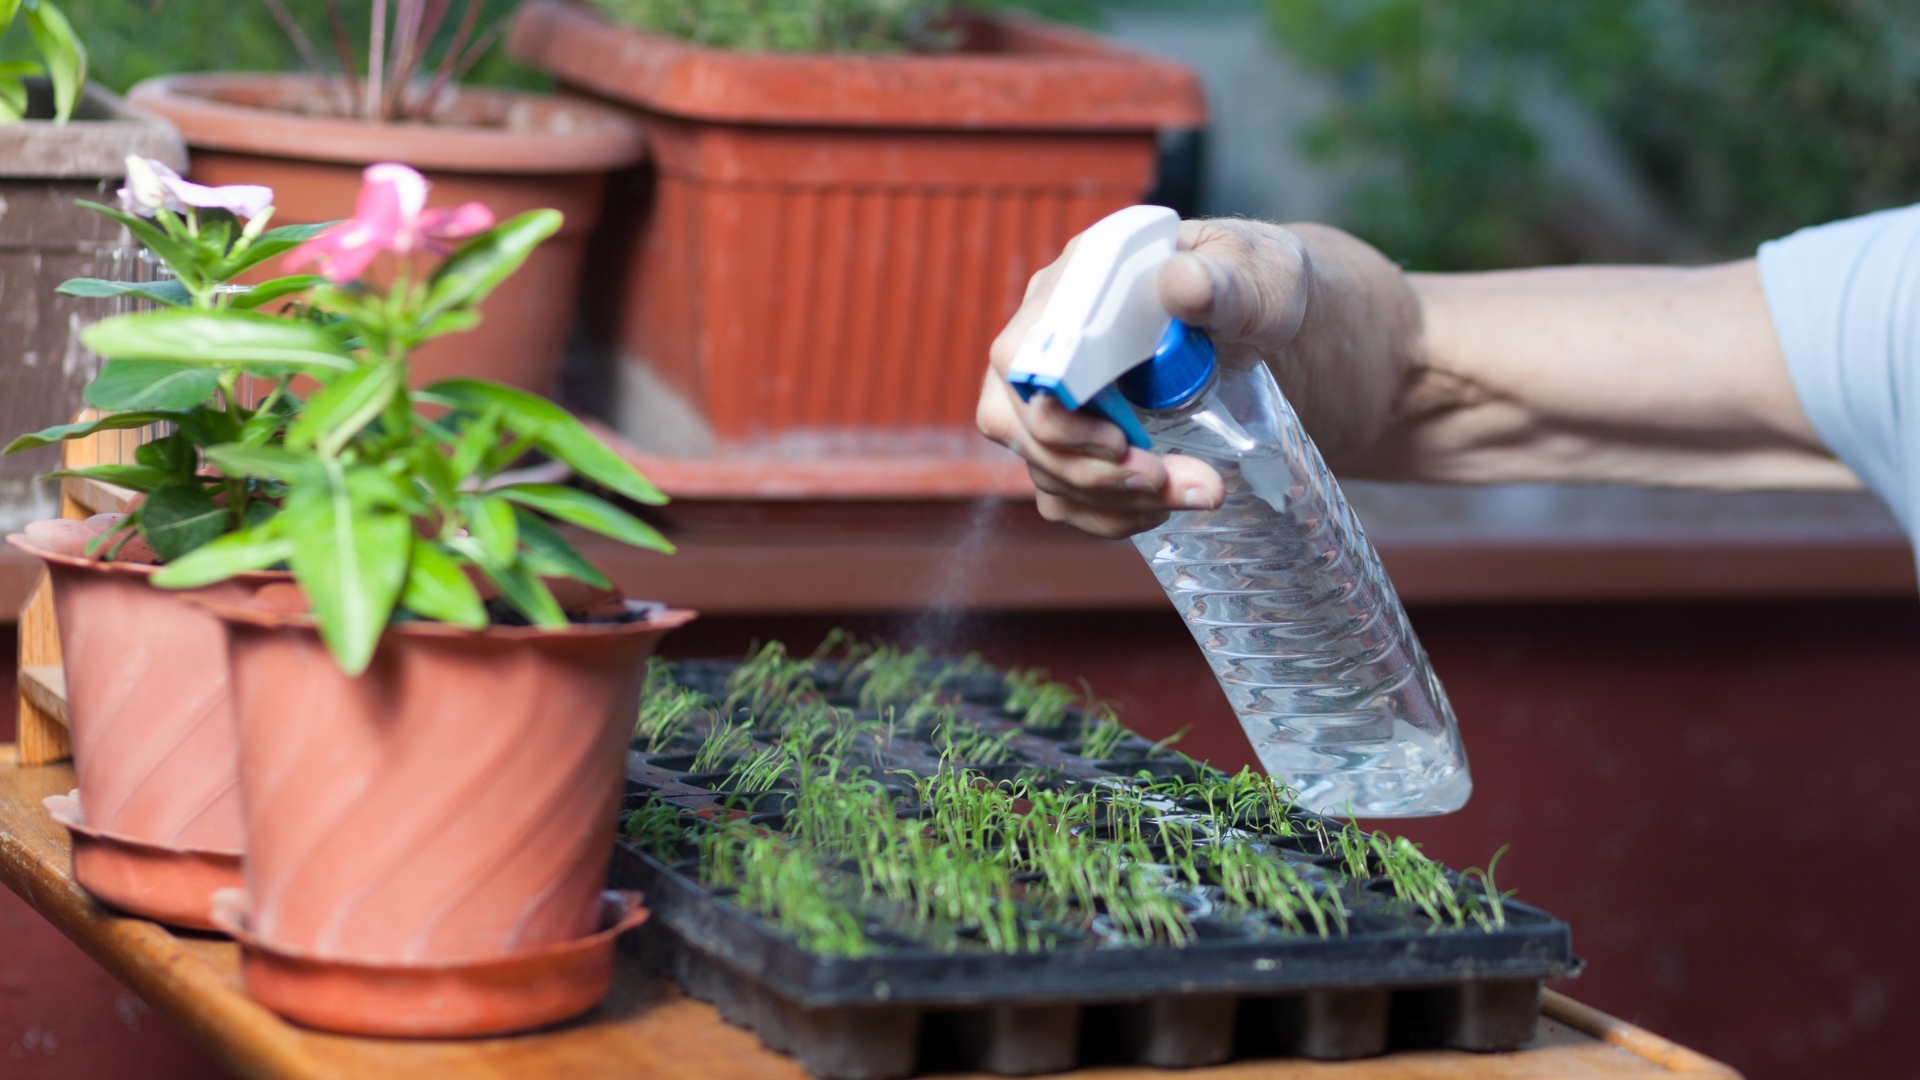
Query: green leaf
(179, 518)
(179, 256)
(66, 57)
(170, 293)
(220, 338)
(549, 555)
(485, 261)
(207, 426)
(349, 403)
(116, 422)
(219, 559)
(519, 585)
(13, 92)
(279, 288)
(151, 384)
(174, 454)
(477, 439)
(576, 507)
(492, 524)
(136, 477)
(553, 430)
(438, 588)
(269, 462)
(270, 243)
(351, 558)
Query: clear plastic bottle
(1289, 602)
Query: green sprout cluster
(859, 857)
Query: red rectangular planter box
(834, 239)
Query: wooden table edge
(1637, 1041)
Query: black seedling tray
(1391, 982)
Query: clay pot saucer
(445, 998)
(169, 884)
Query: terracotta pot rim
(621, 910)
(595, 137)
(1073, 81)
(663, 618)
(79, 824)
(114, 566)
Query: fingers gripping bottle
(1279, 585)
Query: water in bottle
(1289, 602)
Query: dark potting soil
(501, 613)
(897, 992)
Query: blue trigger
(1109, 403)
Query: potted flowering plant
(156, 819)
(430, 741)
(849, 196)
(308, 136)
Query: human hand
(1249, 285)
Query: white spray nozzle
(1104, 317)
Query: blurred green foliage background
(1740, 119)
(129, 40)
(1745, 118)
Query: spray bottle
(1279, 586)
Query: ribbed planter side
(833, 240)
(456, 800)
(149, 704)
(511, 151)
(826, 281)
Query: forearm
(1635, 375)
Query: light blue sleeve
(1845, 300)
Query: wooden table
(646, 1028)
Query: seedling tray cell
(917, 994)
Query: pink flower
(151, 186)
(390, 215)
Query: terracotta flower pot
(834, 239)
(511, 151)
(157, 824)
(457, 801)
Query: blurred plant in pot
(382, 507)
(823, 25)
(1745, 120)
(63, 60)
(127, 42)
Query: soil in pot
(510, 151)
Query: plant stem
(375, 106)
(343, 44)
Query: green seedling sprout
(655, 828)
(1102, 739)
(1038, 702)
(1161, 747)
(963, 744)
(769, 681)
(888, 676)
(666, 708)
(724, 740)
(1494, 916)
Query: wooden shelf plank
(46, 688)
(646, 1028)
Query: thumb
(1243, 281)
